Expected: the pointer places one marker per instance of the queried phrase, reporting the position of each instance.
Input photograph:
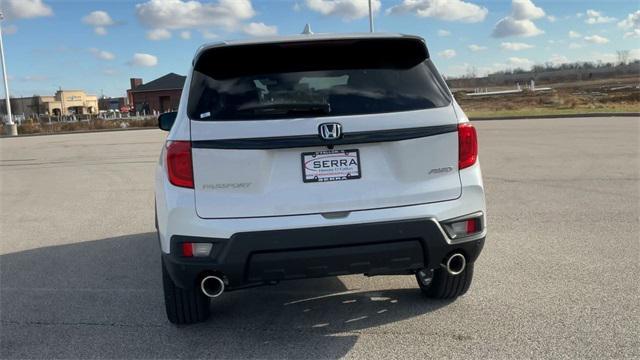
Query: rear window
(318, 78)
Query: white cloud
(558, 59)
(100, 30)
(632, 21)
(575, 46)
(345, 9)
(185, 35)
(596, 17)
(179, 14)
(596, 39)
(475, 48)
(601, 57)
(517, 62)
(635, 33)
(208, 35)
(468, 70)
(444, 33)
(510, 27)
(632, 24)
(25, 9)
(574, 34)
(260, 29)
(525, 10)
(447, 54)
(459, 70)
(510, 64)
(100, 20)
(9, 30)
(146, 60)
(102, 54)
(519, 21)
(552, 18)
(449, 10)
(158, 34)
(297, 7)
(515, 46)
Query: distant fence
(54, 124)
(548, 76)
(21, 119)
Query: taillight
(467, 145)
(179, 166)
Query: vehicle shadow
(104, 299)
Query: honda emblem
(330, 131)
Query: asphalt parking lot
(80, 269)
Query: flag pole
(10, 126)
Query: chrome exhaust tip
(212, 286)
(455, 264)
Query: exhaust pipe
(212, 286)
(455, 264)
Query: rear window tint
(327, 78)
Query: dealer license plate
(331, 165)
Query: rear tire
(447, 286)
(183, 306)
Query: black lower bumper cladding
(396, 247)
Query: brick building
(113, 103)
(160, 95)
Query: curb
(559, 116)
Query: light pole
(370, 17)
(10, 126)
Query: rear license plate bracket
(331, 165)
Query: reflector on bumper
(196, 249)
(459, 228)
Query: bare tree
(472, 72)
(623, 57)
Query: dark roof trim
(171, 81)
(153, 90)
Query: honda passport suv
(312, 156)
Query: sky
(97, 45)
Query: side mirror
(166, 120)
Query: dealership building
(68, 102)
(64, 102)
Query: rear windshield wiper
(287, 109)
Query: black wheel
(447, 286)
(183, 306)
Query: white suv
(316, 155)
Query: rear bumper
(393, 247)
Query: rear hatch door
(336, 135)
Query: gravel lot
(80, 269)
